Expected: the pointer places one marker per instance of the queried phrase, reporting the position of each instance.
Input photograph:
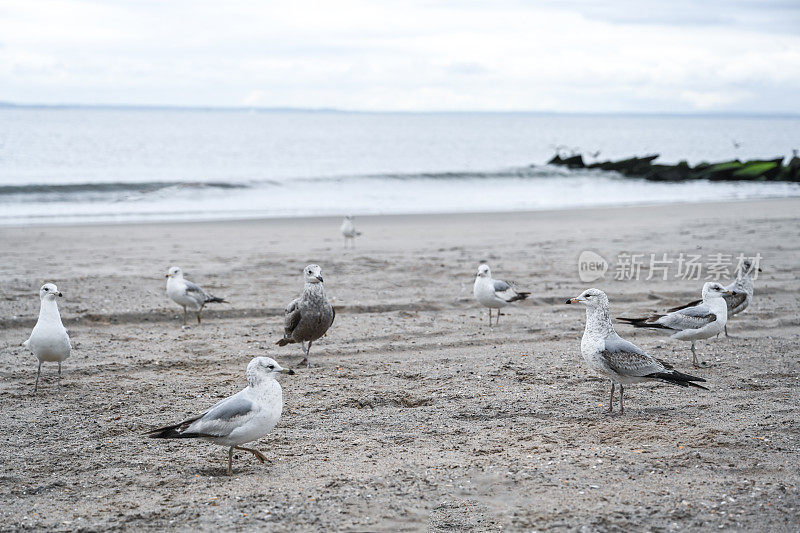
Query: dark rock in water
(720, 171)
(635, 166)
(735, 170)
(668, 173)
(794, 169)
(575, 161)
(759, 170)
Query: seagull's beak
(319, 278)
(730, 293)
(60, 294)
(168, 276)
(572, 300)
(287, 371)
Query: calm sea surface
(60, 166)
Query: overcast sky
(571, 55)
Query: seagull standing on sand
(693, 323)
(244, 417)
(188, 295)
(308, 317)
(612, 356)
(741, 289)
(49, 340)
(494, 293)
(349, 232)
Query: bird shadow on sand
(222, 472)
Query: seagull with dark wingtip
(621, 361)
(741, 292)
(244, 417)
(494, 293)
(187, 294)
(693, 323)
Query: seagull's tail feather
(690, 304)
(519, 296)
(215, 300)
(175, 431)
(25, 344)
(678, 378)
(647, 322)
(284, 341)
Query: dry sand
(417, 415)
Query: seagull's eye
(271, 367)
(46, 289)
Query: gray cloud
(510, 55)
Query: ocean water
(84, 165)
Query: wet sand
(416, 415)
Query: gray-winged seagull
(244, 417)
(621, 361)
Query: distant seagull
(741, 289)
(49, 340)
(244, 417)
(188, 295)
(308, 317)
(349, 232)
(611, 355)
(694, 323)
(494, 293)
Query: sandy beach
(417, 415)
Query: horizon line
(289, 109)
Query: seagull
(308, 317)
(349, 231)
(742, 289)
(494, 293)
(621, 361)
(244, 417)
(693, 323)
(188, 295)
(49, 340)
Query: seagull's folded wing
(196, 292)
(224, 417)
(506, 292)
(291, 316)
(735, 300)
(689, 318)
(627, 359)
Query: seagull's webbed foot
(305, 361)
(260, 456)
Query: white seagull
(494, 293)
(187, 294)
(244, 417)
(49, 340)
(693, 323)
(349, 232)
(612, 356)
(741, 289)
